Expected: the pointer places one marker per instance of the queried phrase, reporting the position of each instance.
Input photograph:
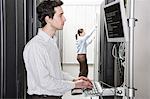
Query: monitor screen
(115, 21)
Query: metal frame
(34, 18)
(3, 48)
(1, 28)
(131, 89)
(25, 33)
(118, 91)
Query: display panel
(116, 22)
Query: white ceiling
(76, 2)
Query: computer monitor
(116, 24)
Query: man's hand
(84, 78)
(83, 82)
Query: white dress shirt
(83, 41)
(42, 62)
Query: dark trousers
(43, 97)
(83, 65)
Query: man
(45, 79)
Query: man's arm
(67, 76)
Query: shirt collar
(44, 35)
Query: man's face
(58, 19)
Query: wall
(142, 49)
(75, 2)
(77, 16)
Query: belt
(81, 54)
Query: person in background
(45, 79)
(82, 41)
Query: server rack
(12, 43)
(108, 73)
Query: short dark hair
(46, 8)
(79, 32)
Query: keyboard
(95, 91)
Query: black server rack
(107, 67)
(12, 72)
